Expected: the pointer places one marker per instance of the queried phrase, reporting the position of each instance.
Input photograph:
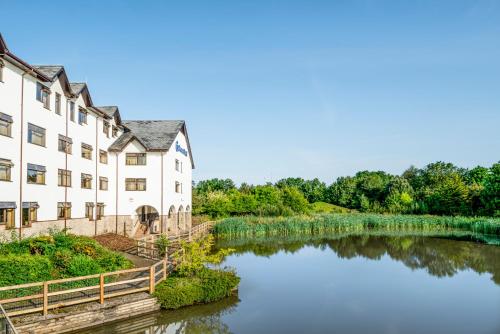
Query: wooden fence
(45, 296)
(6, 326)
(147, 247)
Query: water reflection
(438, 256)
(346, 284)
(198, 319)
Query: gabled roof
(51, 71)
(112, 112)
(153, 135)
(54, 72)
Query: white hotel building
(66, 163)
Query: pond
(351, 284)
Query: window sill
(6, 136)
(37, 144)
(38, 184)
(48, 108)
(63, 186)
(6, 181)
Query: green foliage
(322, 207)
(162, 244)
(192, 256)
(24, 268)
(53, 256)
(439, 188)
(208, 285)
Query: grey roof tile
(50, 71)
(77, 87)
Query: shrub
(176, 292)
(208, 285)
(82, 265)
(19, 269)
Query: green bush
(82, 265)
(19, 269)
(53, 256)
(208, 285)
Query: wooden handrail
(153, 271)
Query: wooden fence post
(152, 279)
(165, 269)
(101, 289)
(45, 298)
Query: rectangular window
(89, 210)
(7, 218)
(36, 135)
(43, 95)
(5, 167)
(86, 181)
(135, 184)
(64, 178)
(135, 159)
(72, 111)
(87, 151)
(178, 165)
(82, 116)
(105, 128)
(103, 157)
(114, 131)
(63, 210)
(100, 211)
(5, 125)
(36, 174)
(103, 183)
(178, 187)
(65, 144)
(29, 213)
(58, 103)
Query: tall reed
(353, 223)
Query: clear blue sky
(286, 88)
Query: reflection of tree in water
(439, 256)
(198, 319)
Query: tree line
(439, 188)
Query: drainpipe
(96, 163)
(161, 196)
(21, 161)
(116, 196)
(65, 171)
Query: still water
(354, 284)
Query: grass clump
(54, 256)
(194, 283)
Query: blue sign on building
(179, 148)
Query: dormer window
(105, 128)
(82, 116)
(114, 131)
(43, 95)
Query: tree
(294, 199)
(490, 196)
(215, 185)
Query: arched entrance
(147, 216)
(180, 219)
(187, 217)
(171, 219)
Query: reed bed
(252, 226)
